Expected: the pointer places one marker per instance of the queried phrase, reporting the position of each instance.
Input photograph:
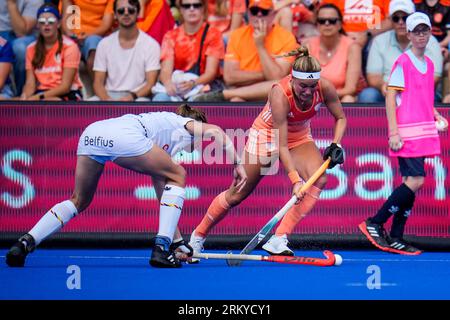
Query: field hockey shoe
(375, 233)
(196, 243)
(17, 254)
(162, 256)
(164, 259)
(182, 250)
(400, 246)
(278, 246)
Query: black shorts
(412, 167)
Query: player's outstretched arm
(208, 131)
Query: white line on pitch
(360, 284)
(105, 257)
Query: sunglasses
(130, 10)
(396, 19)
(49, 20)
(421, 32)
(331, 21)
(188, 6)
(255, 10)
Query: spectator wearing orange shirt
(52, 61)
(226, 15)
(180, 52)
(363, 18)
(252, 62)
(95, 19)
(339, 56)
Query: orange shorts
(265, 142)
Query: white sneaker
(277, 245)
(196, 243)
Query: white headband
(306, 75)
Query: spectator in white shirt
(126, 62)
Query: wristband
(294, 177)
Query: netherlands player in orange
(282, 130)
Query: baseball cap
(264, 4)
(406, 6)
(415, 19)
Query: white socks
(53, 220)
(171, 204)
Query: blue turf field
(125, 274)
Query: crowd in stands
(206, 50)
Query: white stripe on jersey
(267, 115)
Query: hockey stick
(280, 214)
(330, 258)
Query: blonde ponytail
(303, 61)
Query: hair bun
(303, 51)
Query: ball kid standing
(413, 136)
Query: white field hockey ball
(440, 125)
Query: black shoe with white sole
(400, 246)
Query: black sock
(400, 198)
(399, 221)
